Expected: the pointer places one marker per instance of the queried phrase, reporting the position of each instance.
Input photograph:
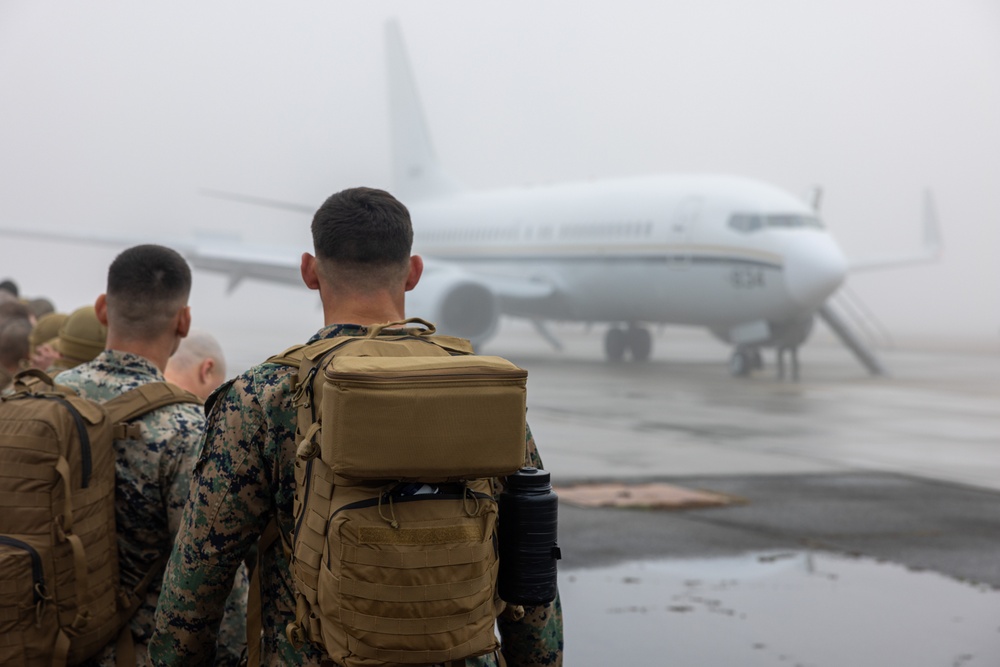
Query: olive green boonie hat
(82, 336)
(46, 329)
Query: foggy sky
(113, 115)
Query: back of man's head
(147, 285)
(14, 343)
(198, 365)
(13, 310)
(9, 288)
(362, 237)
(40, 307)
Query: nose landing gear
(744, 361)
(634, 339)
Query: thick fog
(114, 115)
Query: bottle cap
(529, 478)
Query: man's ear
(205, 369)
(308, 270)
(416, 270)
(184, 321)
(101, 309)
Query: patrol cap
(46, 328)
(81, 337)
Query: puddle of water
(790, 608)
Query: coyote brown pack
(60, 595)
(401, 436)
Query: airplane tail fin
(416, 170)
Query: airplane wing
(461, 301)
(225, 254)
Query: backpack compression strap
(122, 409)
(141, 400)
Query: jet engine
(458, 304)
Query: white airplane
(747, 261)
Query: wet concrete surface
(875, 503)
(800, 608)
(923, 524)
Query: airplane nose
(814, 271)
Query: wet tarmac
(870, 531)
(787, 608)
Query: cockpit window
(751, 222)
(745, 222)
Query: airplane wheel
(739, 364)
(756, 359)
(640, 343)
(614, 344)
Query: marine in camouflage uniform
(151, 474)
(245, 476)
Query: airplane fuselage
(667, 249)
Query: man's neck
(364, 310)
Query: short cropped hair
(147, 285)
(363, 235)
(13, 310)
(41, 306)
(14, 345)
(196, 347)
(10, 287)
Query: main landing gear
(635, 339)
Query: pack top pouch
(415, 406)
(423, 418)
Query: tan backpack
(394, 553)
(60, 595)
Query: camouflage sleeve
(536, 639)
(233, 629)
(177, 460)
(229, 502)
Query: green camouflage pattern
(152, 475)
(244, 478)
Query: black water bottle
(527, 533)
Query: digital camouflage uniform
(150, 477)
(244, 477)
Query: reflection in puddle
(790, 608)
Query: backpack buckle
(130, 431)
(295, 635)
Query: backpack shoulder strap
(144, 399)
(290, 357)
(295, 355)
